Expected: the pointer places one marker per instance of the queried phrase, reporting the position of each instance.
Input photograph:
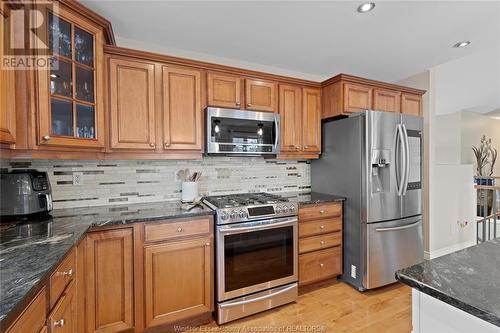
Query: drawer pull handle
(69, 273)
(179, 229)
(322, 211)
(59, 323)
(322, 242)
(321, 265)
(322, 227)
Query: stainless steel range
(256, 253)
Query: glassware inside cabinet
(84, 47)
(62, 117)
(84, 84)
(59, 36)
(61, 78)
(85, 118)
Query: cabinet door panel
(109, 275)
(7, 84)
(261, 95)
(290, 109)
(63, 318)
(224, 91)
(386, 100)
(357, 98)
(33, 318)
(411, 104)
(182, 112)
(311, 120)
(174, 294)
(132, 109)
(74, 83)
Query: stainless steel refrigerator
(374, 159)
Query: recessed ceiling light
(462, 44)
(366, 7)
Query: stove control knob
(242, 214)
(292, 209)
(285, 209)
(233, 214)
(224, 216)
(278, 210)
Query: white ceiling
(310, 39)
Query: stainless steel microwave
(241, 132)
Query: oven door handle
(232, 229)
(260, 298)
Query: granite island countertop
(311, 198)
(29, 251)
(468, 279)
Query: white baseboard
(447, 250)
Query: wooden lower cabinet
(320, 242)
(109, 281)
(63, 318)
(177, 280)
(32, 319)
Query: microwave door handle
(407, 159)
(277, 131)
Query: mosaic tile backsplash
(116, 182)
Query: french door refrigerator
(374, 159)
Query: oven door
(236, 132)
(255, 256)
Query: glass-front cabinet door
(70, 109)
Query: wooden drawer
(63, 275)
(33, 317)
(325, 226)
(320, 242)
(320, 211)
(62, 319)
(320, 265)
(163, 231)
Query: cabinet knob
(207, 243)
(322, 227)
(321, 265)
(167, 145)
(249, 104)
(306, 147)
(322, 242)
(151, 144)
(238, 103)
(322, 211)
(46, 137)
(59, 323)
(179, 229)
(297, 147)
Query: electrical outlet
(353, 271)
(77, 178)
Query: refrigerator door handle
(406, 158)
(400, 175)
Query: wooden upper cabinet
(179, 293)
(311, 120)
(357, 98)
(261, 95)
(69, 97)
(224, 91)
(132, 104)
(109, 277)
(182, 113)
(411, 104)
(290, 110)
(344, 94)
(386, 100)
(7, 84)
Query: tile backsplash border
(113, 182)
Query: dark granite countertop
(468, 279)
(311, 197)
(30, 251)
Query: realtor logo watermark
(28, 38)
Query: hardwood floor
(334, 306)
